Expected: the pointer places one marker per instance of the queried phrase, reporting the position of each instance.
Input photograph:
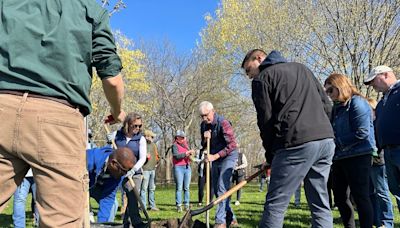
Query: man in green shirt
(47, 52)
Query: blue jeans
(148, 184)
(392, 162)
(380, 198)
(221, 173)
(182, 175)
(310, 162)
(297, 196)
(20, 196)
(108, 204)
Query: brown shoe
(217, 225)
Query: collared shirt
(223, 140)
(49, 47)
(386, 95)
(102, 176)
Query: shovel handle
(227, 194)
(132, 183)
(114, 146)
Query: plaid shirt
(227, 132)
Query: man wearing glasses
(223, 155)
(106, 170)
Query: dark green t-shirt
(49, 47)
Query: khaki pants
(48, 137)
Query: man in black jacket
(292, 115)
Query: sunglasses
(136, 126)
(121, 169)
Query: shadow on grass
(5, 220)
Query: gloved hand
(130, 173)
(110, 137)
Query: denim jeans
(148, 185)
(222, 170)
(392, 162)
(380, 198)
(310, 162)
(108, 204)
(297, 196)
(262, 183)
(236, 179)
(20, 196)
(182, 175)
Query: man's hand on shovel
(211, 157)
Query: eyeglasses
(204, 115)
(122, 169)
(136, 126)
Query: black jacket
(292, 107)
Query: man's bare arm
(114, 90)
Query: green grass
(248, 212)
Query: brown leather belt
(35, 95)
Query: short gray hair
(207, 105)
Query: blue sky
(178, 21)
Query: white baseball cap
(375, 71)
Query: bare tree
(113, 8)
(351, 36)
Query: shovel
(188, 215)
(131, 187)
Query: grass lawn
(248, 212)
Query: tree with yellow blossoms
(136, 87)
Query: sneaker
(179, 208)
(200, 204)
(154, 209)
(217, 225)
(187, 207)
(234, 223)
(237, 203)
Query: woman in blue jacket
(354, 132)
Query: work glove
(130, 173)
(110, 137)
